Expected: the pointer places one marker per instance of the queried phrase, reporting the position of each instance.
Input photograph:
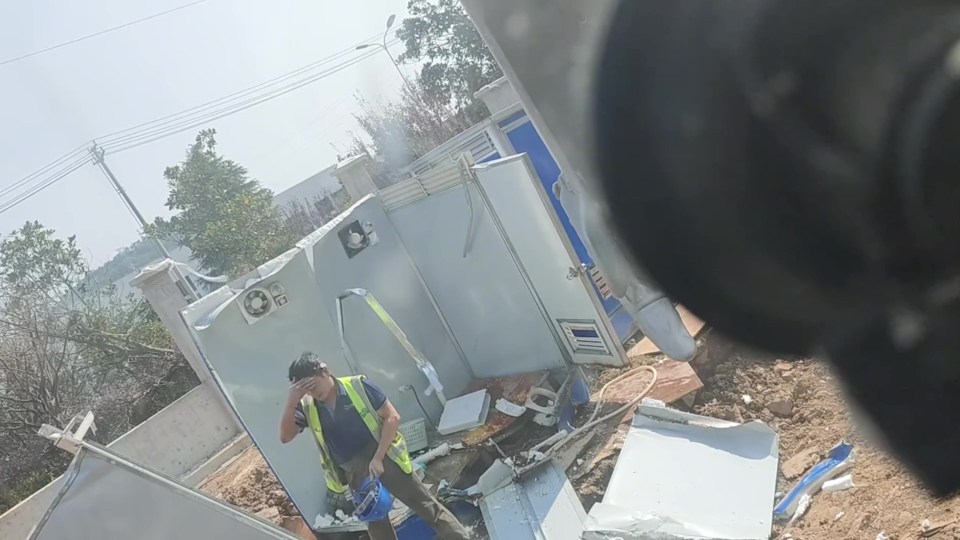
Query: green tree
(455, 60)
(33, 258)
(67, 347)
(227, 220)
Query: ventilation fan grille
(257, 303)
(584, 337)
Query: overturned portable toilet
(469, 261)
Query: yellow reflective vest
(361, 402)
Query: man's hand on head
(300, 389)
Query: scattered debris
(928, 529)
(571, 452)
(464, 412)
(675, 381)
(838, 484)
(432, 454)
(887, 496)
(513, 388)
(545, 419)
(782, 366)
(646, 347)
(802, 506)
(799, 463)
(324, 521)
(782, 408)
(882, 536)
(298, 526)
(510, 408)
(270, 513)
(839, 459)
(747, 399)
(838, 516)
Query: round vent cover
(256, 303)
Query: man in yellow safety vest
(355, 428)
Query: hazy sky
(54, 102)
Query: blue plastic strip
(812, 481)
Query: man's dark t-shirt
(344, 431)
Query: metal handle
(575, 272)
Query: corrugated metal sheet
(402, 193)
(430, 182)
(474, 140)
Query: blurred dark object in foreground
(790, 171)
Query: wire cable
(198, 109)
(27, 179)
(58, 176)
(178, 122)
(145, 137)
(100, 33)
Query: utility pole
(98, 158)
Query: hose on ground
(593, 420)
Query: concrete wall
(175, 441)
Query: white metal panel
(691, 476)
(482, 295)
(387, 271)
(513, 189)
(540, 506)
(250, 363)
(105, 497)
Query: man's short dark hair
(306, 366)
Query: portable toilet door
(524, 138)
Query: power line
(178, 122)
(145, 137)
(100, 33)
(236, 102)
(47, 182)
(27, 179)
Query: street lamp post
(383, 45)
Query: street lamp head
(390, 21)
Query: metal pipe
(464, 162)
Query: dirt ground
(247, 483)
(811, 417)
(886, 499)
